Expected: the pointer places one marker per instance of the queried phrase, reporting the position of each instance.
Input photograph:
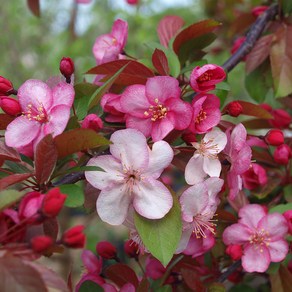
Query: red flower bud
(5, 86)
(132, 2)
(266, 106)
(131, 248)
(93, 122)
(282, 154)
(41, 243)
(234, 109)
(67, 67)
(53, 203)
(106, 250)
(274, 137)
(258, 10)
(254, 177)
(288, 217)
(10, 106)
(234, 251)
(237, 44)
(74, 237)
(281, 119)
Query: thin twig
(229, 271)
(252, 36)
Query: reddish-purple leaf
(282, 280)
(15, 275)
(5, 120)
(134, 72)
(241, 23)
(160, 62)
(34, 6)
(122, 274)
(78, 140)
(259, 53)
(224, 215)
(257, 124)
(192, 279)
(143, 286)
(193, 31)
(45, 159)
(168, 28)
(13, 179)
(8, 153)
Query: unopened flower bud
(41, 243)
(274, 137)
(53, 203)
(74, 237)
(234, 109)
(234, 251)
(10, 106)
(131, 249)
(132, 2)
(106, 250)
(283, 154)
(254, 177)
(288, 217)
(5, 86)
(67, 67)
(258, 10)
(282, 119)
(92, 122)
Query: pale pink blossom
(206, 113)
(156, 108)
(205, 78)
(199, 203)
(205, 159)
(45, 111)
(239, 155)
(130, 177)
(261, 235)
(108, 47)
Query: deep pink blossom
(93, 122)
(107, 47)
(239, 155)
(205, 78)
(237, 44)
(130, 177)
(45, 111)
(206, 113)
(261, 235)
(283, 154)
(254, 177)
(156, 108)
(288, 217)
(111, 105)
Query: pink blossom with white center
(205, 160)
(261, 235)
(239, 155)
(130, 177)
(156, 108)
(199, 204)
(107, 47)
(45, 111)
(206, 113)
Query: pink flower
(205, 78)
(282, 154)
(199, 204)
(92, 122)
(237, 44)
(107, 47)
(205, 160)
(258, 10)
(156, 109)
(45, 111)
(133, 2)
(110, 104)
(130, 178)
(288, 217)
(261, 236)
(239, 155)
(254, 177)
(206, 113)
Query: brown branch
(252, 36)
(231, 269)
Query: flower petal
(152, 199)
(130, 147)
(113, 203)
(120, 31)
(217, 139)
(21, 132)
(143, 125)
(212, 166)
(236, 234)
(278, 250)
(162, 88)
(255, 259)
(185, 237)
(238, 137)
(161, 128)
(112, 172)
(63, 93)
(194, 172)
(251, 214)
(160, 157)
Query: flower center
(201, 116)
(207, 76)
(131, 178)
(203, 222)
(157, 112)
(259, 239)
(38, 114)
(206, 149)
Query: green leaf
(81, 107)
(287, 6)
(216, 287)
(242, 288)
(75, 195)
(281, 208)
(89, 286)
(9, 197)
(161, 236)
